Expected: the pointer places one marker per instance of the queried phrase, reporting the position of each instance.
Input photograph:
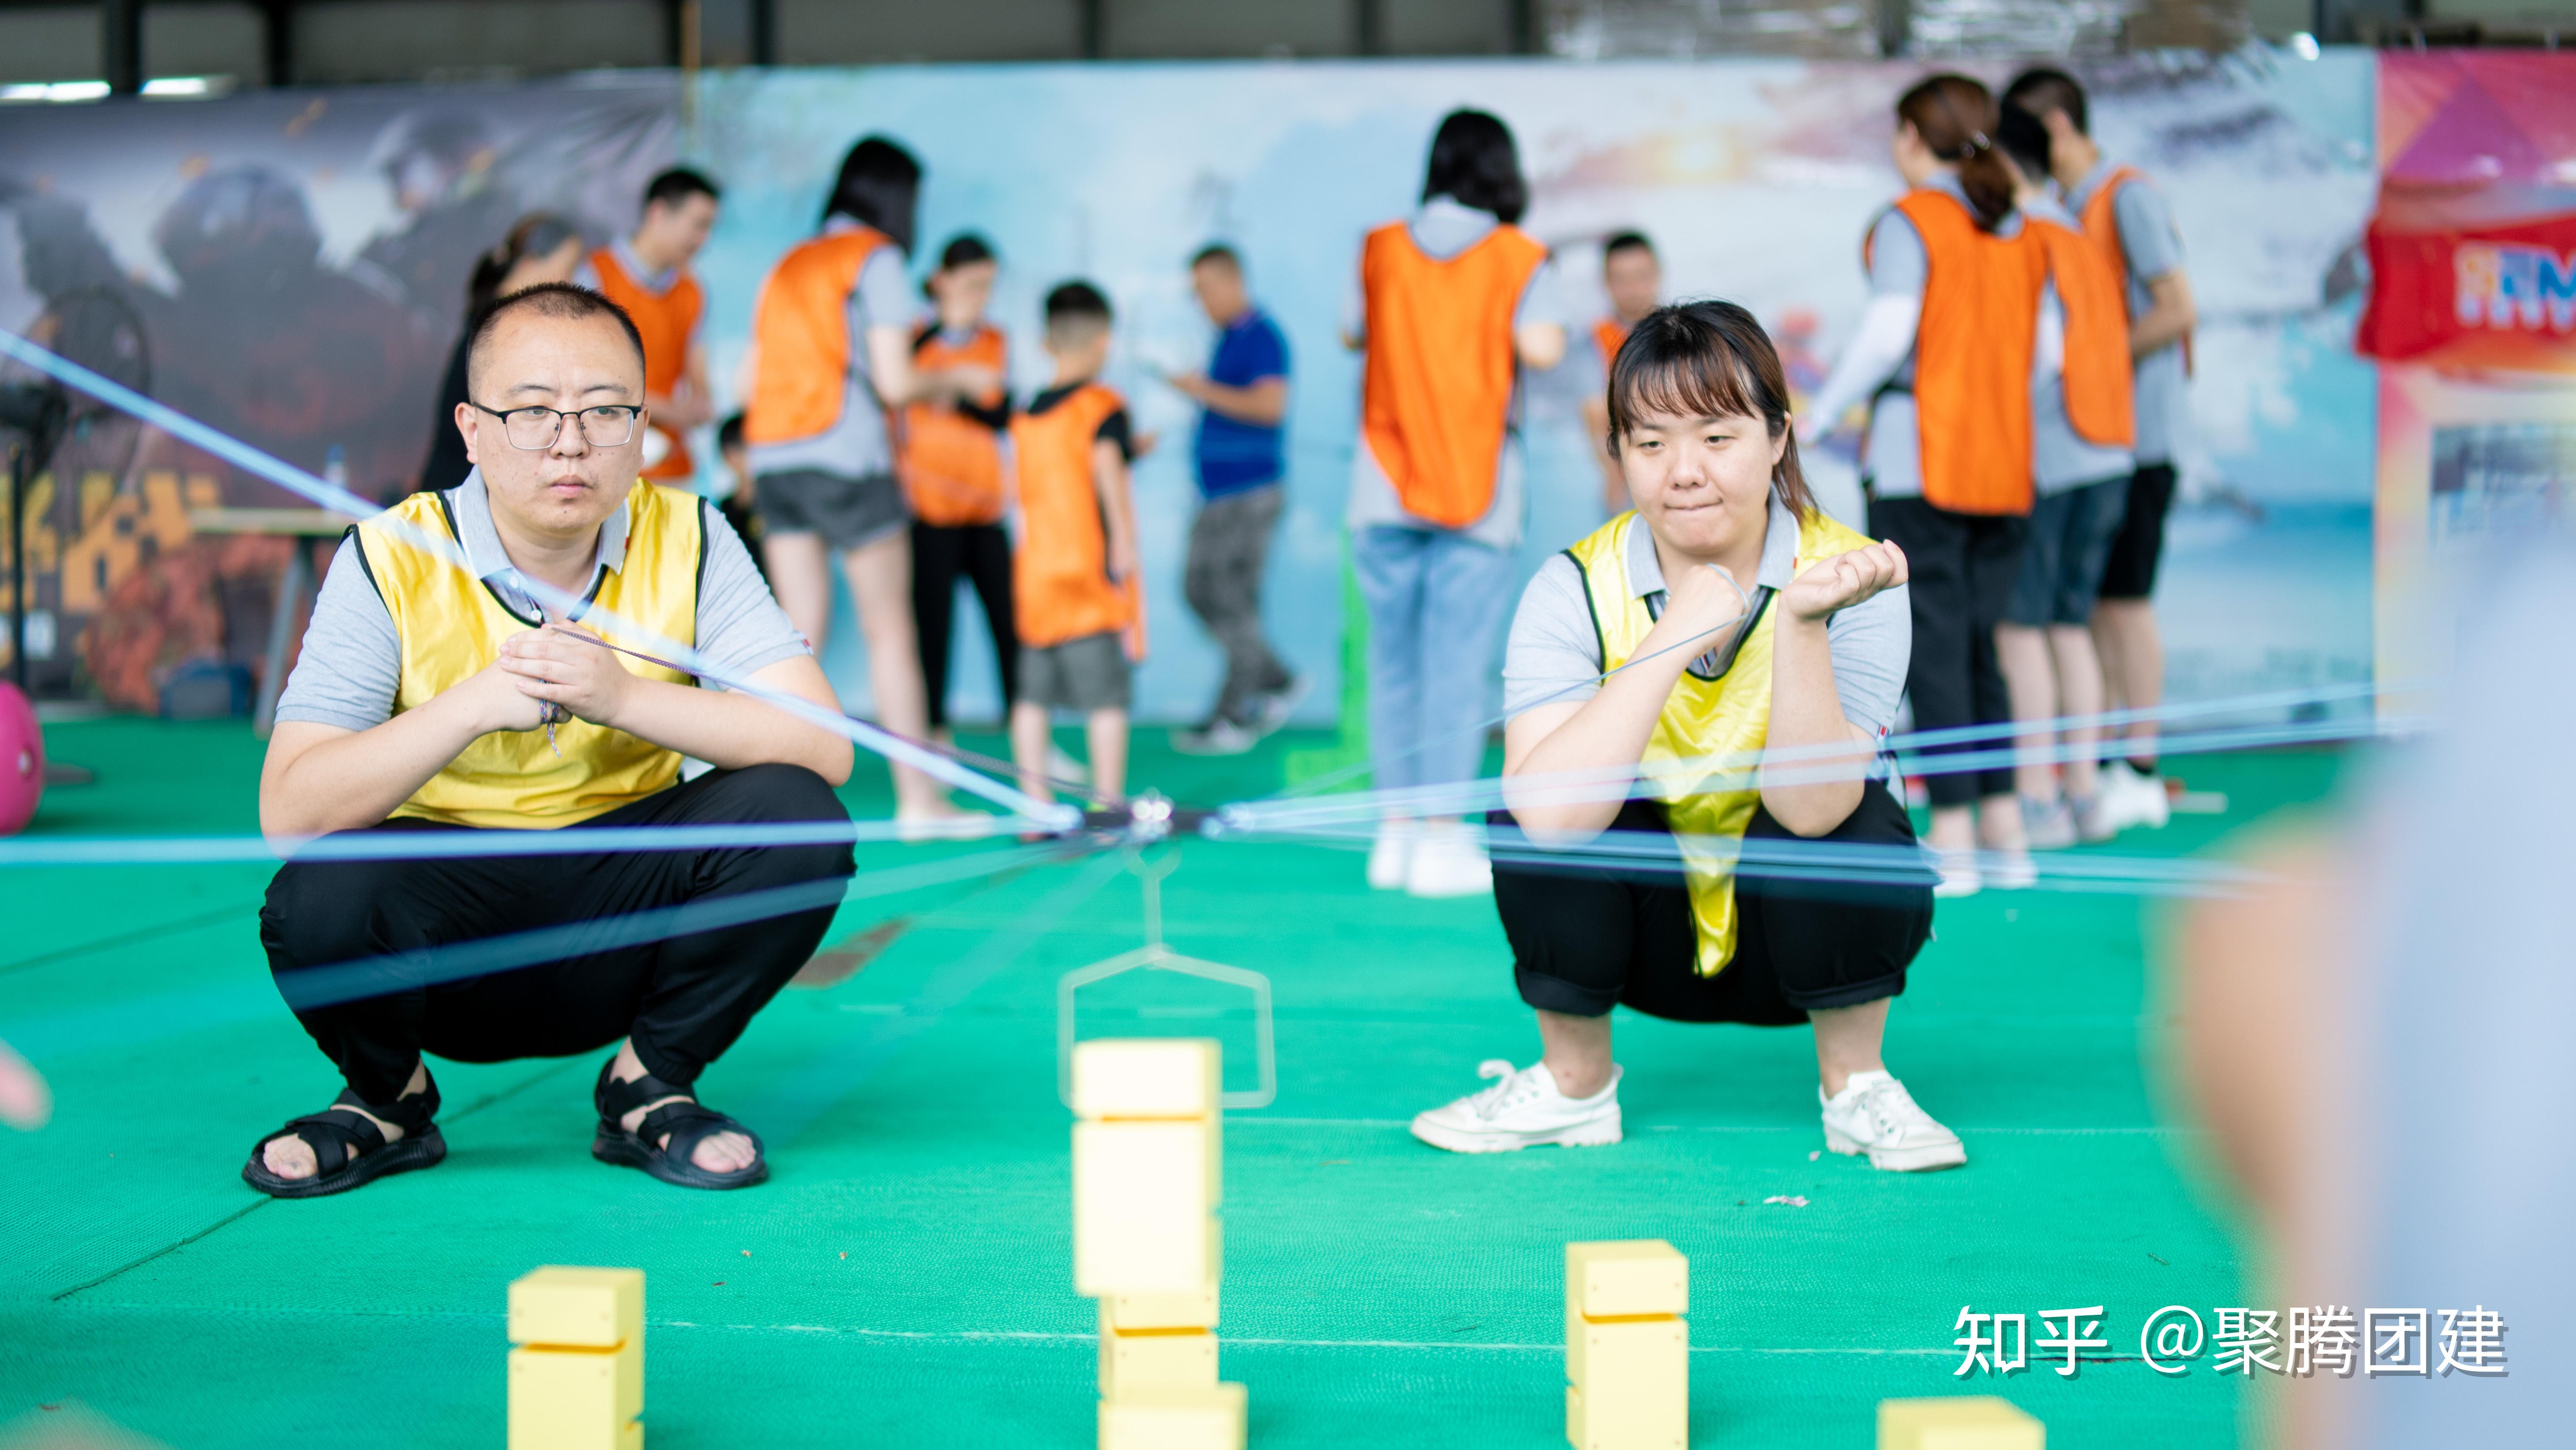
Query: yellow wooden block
(1630, 1385)
(1167, 1311)
(593, 1308)
(1964, 1422)
(1204, 1419)
(1147, 1077)
(577, 1399)
(1132, 1360)
(1626, 1276)
(1142, 1208)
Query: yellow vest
(451, 625)
(1727, 718)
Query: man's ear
(465, 425)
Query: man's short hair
(677, 185)
(1076, 312)
(729, 433)
(1218, 254)
(565, 300)
(2042, 89)
(1626, 242)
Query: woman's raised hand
(1843, 581)
(1704, 600)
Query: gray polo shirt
(2151, 246)
(1442, 229)
(352, 660)
(855, 446)
(1555, 652)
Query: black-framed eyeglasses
(532, 427)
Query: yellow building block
(1142, 1208)
(1632, 1378)
(1965, 1422)
(1147, 1077)
(591, 1308)
(1626, 1277)
(1208, 1419)
(1132, 1360)
(1167, 1311)
(577, 1399)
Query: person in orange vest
(2081, 435)
(2130, 220)
(648, 275)
(1453, 302)
(949, 454)
(831, 356)
(1076, 579)
(1944, 357)
(1634, 277)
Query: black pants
(1229, 548)
(683, 1000)
(1960, 574)
(982, 553)
(1584, 936)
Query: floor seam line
(226, 1221)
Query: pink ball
(22, 760)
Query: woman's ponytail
(1957, 119)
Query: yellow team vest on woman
(1727, 718)
(451, 625)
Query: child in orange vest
(1075, 586)
(948, 452)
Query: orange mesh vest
(1060, 584)
(667, 320)
(1607, 335)
(2101, 222)
(1972, 357)
(800, 337)
(951, 465)
(2097, 336)
(1437, 395)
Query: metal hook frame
(1154, 956)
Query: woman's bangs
(1701, 382)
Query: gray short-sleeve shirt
(1554, 653)
(855, 446)
(351, 666)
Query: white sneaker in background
(1271, 711)
(1874, 1114)
(2134, 797)
(2047, 825)
(1449, 860)
(1959, 874)
(2011, 870)
(1065, 767)
(1219, 736)
(1522, 1110)
(1391, 855)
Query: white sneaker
(1874, 1114)
(1219, 736)
(1449, 860)
(1271, 712)
(1521, 1111)
(2011, 870)
(1959, 874)
(2132, 797)
(1391, 855)
(1065, 767)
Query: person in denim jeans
(1453, 301)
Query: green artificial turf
(904, 1277)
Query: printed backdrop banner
(356, 213)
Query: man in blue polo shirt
(1243, 400)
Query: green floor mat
(904, 1279)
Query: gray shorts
(846, 511)
(1090, 673)
(2069, 546)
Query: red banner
(2493, 296)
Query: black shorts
(2068, 548)
(846, 511)
(1087, 673)
(1586, 936)
(2140, 544)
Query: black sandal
(688, 1123)
(349, 1151)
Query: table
(296, 586)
